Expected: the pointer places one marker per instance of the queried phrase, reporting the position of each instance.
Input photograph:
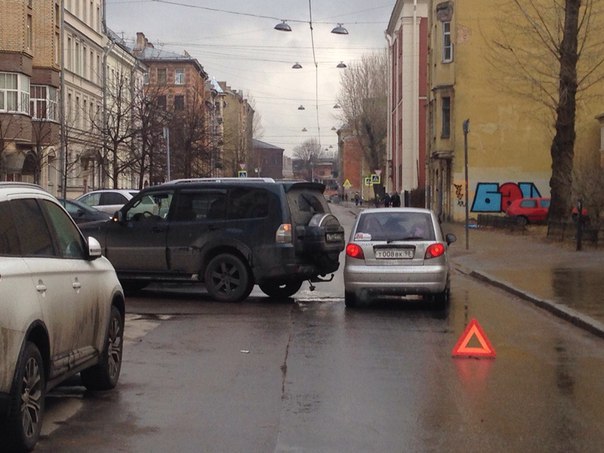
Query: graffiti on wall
(459, 194)
(495, 197)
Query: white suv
(61, 310)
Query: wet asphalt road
(309, 375)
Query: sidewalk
(551, 274)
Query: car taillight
(354, 251)
(435, 250)
(284, 234)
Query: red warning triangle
(473, 330)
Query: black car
(228, 233)
(82, 213)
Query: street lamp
(283, 26)
(297, 66)
(339, 30)
(341, 65)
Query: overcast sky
(234, 41)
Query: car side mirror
(450, 238)
(118, 216)
(94, 248)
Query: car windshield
(395, 226)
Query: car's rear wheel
(441, 300)
(276, 289)
(227, 278)
(26, 411)
(350, 299)
(105, 374)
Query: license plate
(393, 254)
(334, 237)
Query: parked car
(61, 310)
(397, 251)
(82, 213)
(529, 210)
(228, 233)
(107, 200)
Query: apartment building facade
(238, 132)
(508, 128)
(407, 36)
(29, 86)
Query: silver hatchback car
(397, 252)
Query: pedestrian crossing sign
(375, 178)
(242, 174)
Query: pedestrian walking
(395, 200)
(387, 200)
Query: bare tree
(551, 52)
(192, 149)
(10, 128)
(363, 98)
(42, 139)
(308, 153)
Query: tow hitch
(318, 279)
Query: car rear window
(395, 226)
(304, 204)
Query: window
(161, 102)
(447, 43)
(29, 36)
(247, 203)
(68, 238)
(179, 76)
(446, 117)
(34, 236)
(161, 76)
(14, 92)
(179, 102)
(9, 241)
(43, 102)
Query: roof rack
(227, 179)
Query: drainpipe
(63, 141)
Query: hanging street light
(341, 65)
(339, 30)
(284, 26)
(336, 106)
(297, 66)
(301, 107)
(304, 129)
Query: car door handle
(41, 287)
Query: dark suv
(229, 233)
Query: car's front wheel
(26, 411)
(227, 278)
(276, 289)
(105, 374)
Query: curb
(561, 311)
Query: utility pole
(466, 130)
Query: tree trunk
(562, 149)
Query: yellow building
(473, 76)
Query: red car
(529, 210)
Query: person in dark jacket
(395, 200)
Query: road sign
(242, 174)
(368, 181)
(347, 184)
(461, 348)
(375, 178)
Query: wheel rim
(226, 278)
(31, 397)
(115, 346)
